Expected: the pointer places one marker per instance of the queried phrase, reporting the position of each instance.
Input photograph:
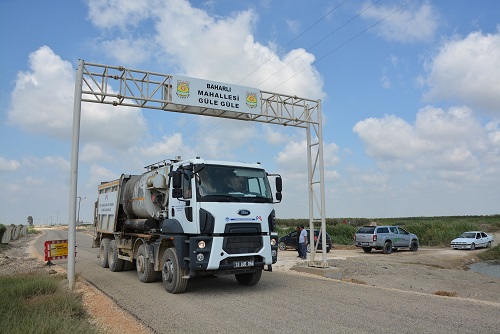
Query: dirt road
(429, 270)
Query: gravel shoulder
(441, 271)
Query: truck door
(183, 200)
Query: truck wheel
(367, 249)
(250, 278)
(328, 249)
(115, 264)
(282, 246)
(172, 274)
(103, 253)
(145, 269)
(414, 246)
(488, 245)
(387, 247)
(472, 246)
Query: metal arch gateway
(120, 86)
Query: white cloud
(9, 165)
(129, 52)
(100, 174)
(467, 70)
(93, 152)
(210, 47)
(42, 103)
(118, 13)
(441, 145)
(410, 24)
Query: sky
(409, 90)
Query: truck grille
(242, 244)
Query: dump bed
(107, 206)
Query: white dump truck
(182, 219)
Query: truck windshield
(232, 184)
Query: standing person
(303, 242)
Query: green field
(431, 231)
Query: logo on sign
(244, 212)
(183, 89)
(251, 100)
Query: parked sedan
(290, 241)
(471, 240)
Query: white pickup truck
(385, 238)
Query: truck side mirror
(176, 180)
(176, 184)
(279, 184)
(279, 188)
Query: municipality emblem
(182, 89)
(251, 100)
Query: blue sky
(410, 95)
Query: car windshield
(468, 235)
(233, 184)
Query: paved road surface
(281, 303)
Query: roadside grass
(40, 304)
(431, 231)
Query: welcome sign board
(215, 95)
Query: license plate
(364, 243)
(243, 264)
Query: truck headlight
(201, 244)
(273, 242)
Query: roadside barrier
(13, 232)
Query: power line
(320, 41)
(293, 40)
(347, 42)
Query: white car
(471, 240)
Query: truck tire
(250, 278)
(172, 274)
(115, 264)
(103, 253)
(414, 246)
(367, 249)
(145, 269)
(387, 247)
(472, 246)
